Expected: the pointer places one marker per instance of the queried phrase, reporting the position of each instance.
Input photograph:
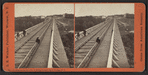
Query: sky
(80, 9)
(42, 9)
(103, 9)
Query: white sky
(80, 9)
(42, 9)
(103, 9)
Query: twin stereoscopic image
(67, 35)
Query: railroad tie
(115, 48)
(54, 43)
(55, 57)
(115, 57)
(115, 52)
(91, 41)
(31, 42)
(79, 56)
(116, 40)
(55, 52)
(19, 56)
(115, 44)
(55, 64)
(23, 51)
(28, 45)
(114, 64)
(55, 48)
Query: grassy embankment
(128, 38)
(67, 38)
(22, 23)
(82, 23)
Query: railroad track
(90, 30)
(84, 52)
(29, 30)
(89, 36)
(19, 44)
(24, 54)
(113, 56)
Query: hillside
(129, 24)
(22, 23)
(65, 26)
(85, 22)
(128, 38)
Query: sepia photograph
(73, 37)
(44, 35)
(104, 35)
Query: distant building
(131, 31)
(68, 15)
(97, 17)
(129, 16)
(71, 31)
(42, 17)
(119, 15)
(103, 17)
(57, 15)
(34, 17)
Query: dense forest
(128, 38)
(25, 22)
(67, 38)
(82, 23)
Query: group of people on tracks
(18, 34)
(84, 33)
(78, 34)
(24, 34)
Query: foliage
(128, 41)
(67, 38)
(68, 45)
(82, 23)
(128, 38)
(22, 23)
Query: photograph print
(43, 35)
(104, 35)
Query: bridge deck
(99, 60)
(40, 58)
(63, 60)
(77, 43)
(22, 40)
(123, 62)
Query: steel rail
(30, 53)
(76, 48)
(29, 38)
(91, 29)
(50, 57)
(28, 30)
(110, 57)
(91, 50)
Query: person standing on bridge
(24, 32)
(18, 35)
(98, 40)
(84, 32)
(38, 40)
(78, 35)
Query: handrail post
(50, 58)
(110, 57)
